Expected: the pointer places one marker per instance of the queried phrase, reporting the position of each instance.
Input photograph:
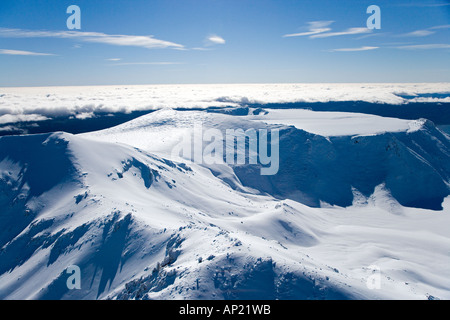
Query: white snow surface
(334, 123)
(351, 198)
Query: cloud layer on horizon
(38, 104)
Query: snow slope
(410, 157)
(142, 224)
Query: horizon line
(225, 83)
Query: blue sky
(222, 41)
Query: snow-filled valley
(356, 197)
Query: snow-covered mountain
(347, 202)
(322, 159)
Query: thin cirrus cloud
(148, 42)
(419, 33)
(23, 53)
(164, 63)
(425, 46)
(366, 48)
(201, 49)
(315, 27)
(423, 5)
(445, 26)
(320, 29)
(423, 33)
(426, 32)
(349, 31)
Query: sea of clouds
(42, 103)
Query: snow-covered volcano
(141, 223)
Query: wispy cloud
(425, 32)
(201, 49)
(423, 5)
(419, 33)
(425, 46)
(319, 29)
(148, 42)
(445, 26)
(315, 27)
(23, 53)
(146, 63)
(390, 44)
(366, 48)
(215, 39)
(113, 59)
(350, 31)
(373, 35)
